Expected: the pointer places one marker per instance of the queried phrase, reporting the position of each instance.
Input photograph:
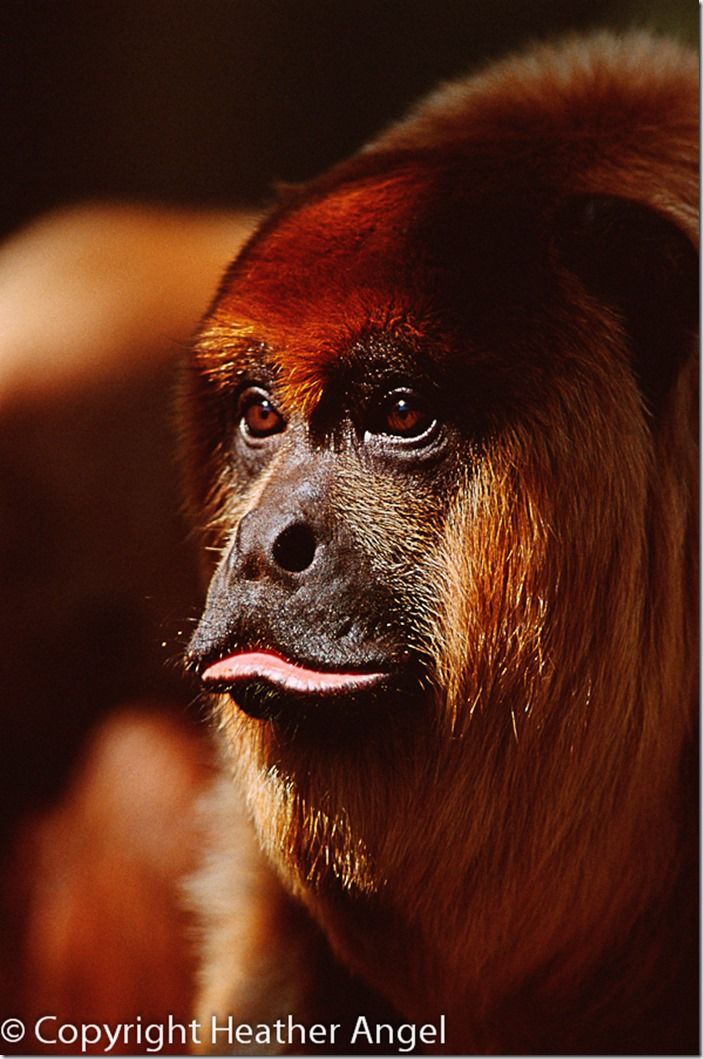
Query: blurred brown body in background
(98, 573)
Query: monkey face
(336, 451)
(311, 605)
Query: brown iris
(405, 417)
(259, 417)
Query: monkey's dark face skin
(306, 615)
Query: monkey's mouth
(263, 683)
(264, 665)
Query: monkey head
(349, 431)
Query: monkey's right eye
(403, 419)
(258, 417)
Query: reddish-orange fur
(519, 859)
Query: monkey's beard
(320, 844)
(319, 796)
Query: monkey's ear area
(645, 267)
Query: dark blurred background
(211, 102)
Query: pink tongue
(276, 669)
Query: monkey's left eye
(404, 416)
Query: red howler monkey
(441, 424)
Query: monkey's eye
(258, 418)
(403, 415)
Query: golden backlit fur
(516, 858)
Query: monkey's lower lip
(269, 667)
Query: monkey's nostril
(294, 548)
